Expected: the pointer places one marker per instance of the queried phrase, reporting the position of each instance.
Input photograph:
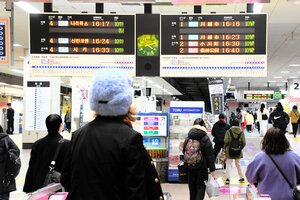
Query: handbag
(53, 176)
(296, 192)
(264, 117)
(182, 173)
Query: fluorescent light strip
(294, 65)
(285, 72)
(158, 86)
(17, 45)
(272, 81)
(149, 81)
(293, 77)
(1, 83)
(277, 76)
(27, 7)
(17, 71)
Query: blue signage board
(145, 142)
(155, 142)
(186, 110)
(151, 123)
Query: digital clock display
(81, 34)
(213, 34)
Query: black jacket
(4, 188)
(10, 113)
(218, 131)
(108, 161)
(41, 156)
(206, 148)
(276, 113)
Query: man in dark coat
(198, 174)
(218, 131)
(10, 119)
(280, 118)
(6, 185)
(107, 159)
(43, 152)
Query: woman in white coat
(262, 117)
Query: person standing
(107, 159)
(250, 121)
(10, 119)
(7, 185)
(198, 171)
(43, 152)
(262, 117)
(280, 118)
(218, 131)
(68, 121)
(233, 150)
(263, 173)
(294, 115)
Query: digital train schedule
(213, 45)
(81, 43)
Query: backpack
(13, 163)
(192, 154)
(235, 146)
(280, 121)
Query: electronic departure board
(80, 44)
(214, 45)
(5, 41)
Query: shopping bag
(212, 187)
(182, 173)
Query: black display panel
(81, 34)
(213, 34)
(3, 39)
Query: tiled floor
(178, 191)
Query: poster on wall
(38, 103)
(150, 126)
(182, 117)
(216, 92)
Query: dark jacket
(198, 133)
(41, 156)
(4, 188)
(10, 113)
(107, 160)
(227, 140)
(276, 113)
(218, 131)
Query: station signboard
(5, 43)
(229, 45)
(79, 45)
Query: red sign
(154, 128)
(199, 2)
(3, 104)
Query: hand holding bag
(212, 187)
(296, 192)
(54, 176)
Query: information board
(151, 126)
(79, 44)
(213, 45)
(5, 41)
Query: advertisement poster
(150, 126)
(182, 117)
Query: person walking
(250, 121)
(7, 184)
(234, 143)
(107, 159)
(42, 153)
(262, 117)
(294, 115)
(280, 118)
(10, 119)
(218, 132)
(263, 173)
(198, 143)
(68, 121)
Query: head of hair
(238, 110)
(235, 122)
(9, 104)
(221, 116)
(199, 121)
(295, 107)
(275, 142)
(1, 129)
(262, 107)
(279, 107)
(53, 123)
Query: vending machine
(154, 128)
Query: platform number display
(295, 87)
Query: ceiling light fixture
(17, 71)
(17, 45)
(1, 83)
(285, 72)
(277, 76)
(158, 86)
(149, 81)
(294, 65)
(285, 81)
(293, 77)
(272, 81)
(27, 7)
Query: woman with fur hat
(107, 159)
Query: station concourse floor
(178, 191)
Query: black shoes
(242, 180)
(227, 181)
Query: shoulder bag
(298, 118)
(53, 176)
(296, 192)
